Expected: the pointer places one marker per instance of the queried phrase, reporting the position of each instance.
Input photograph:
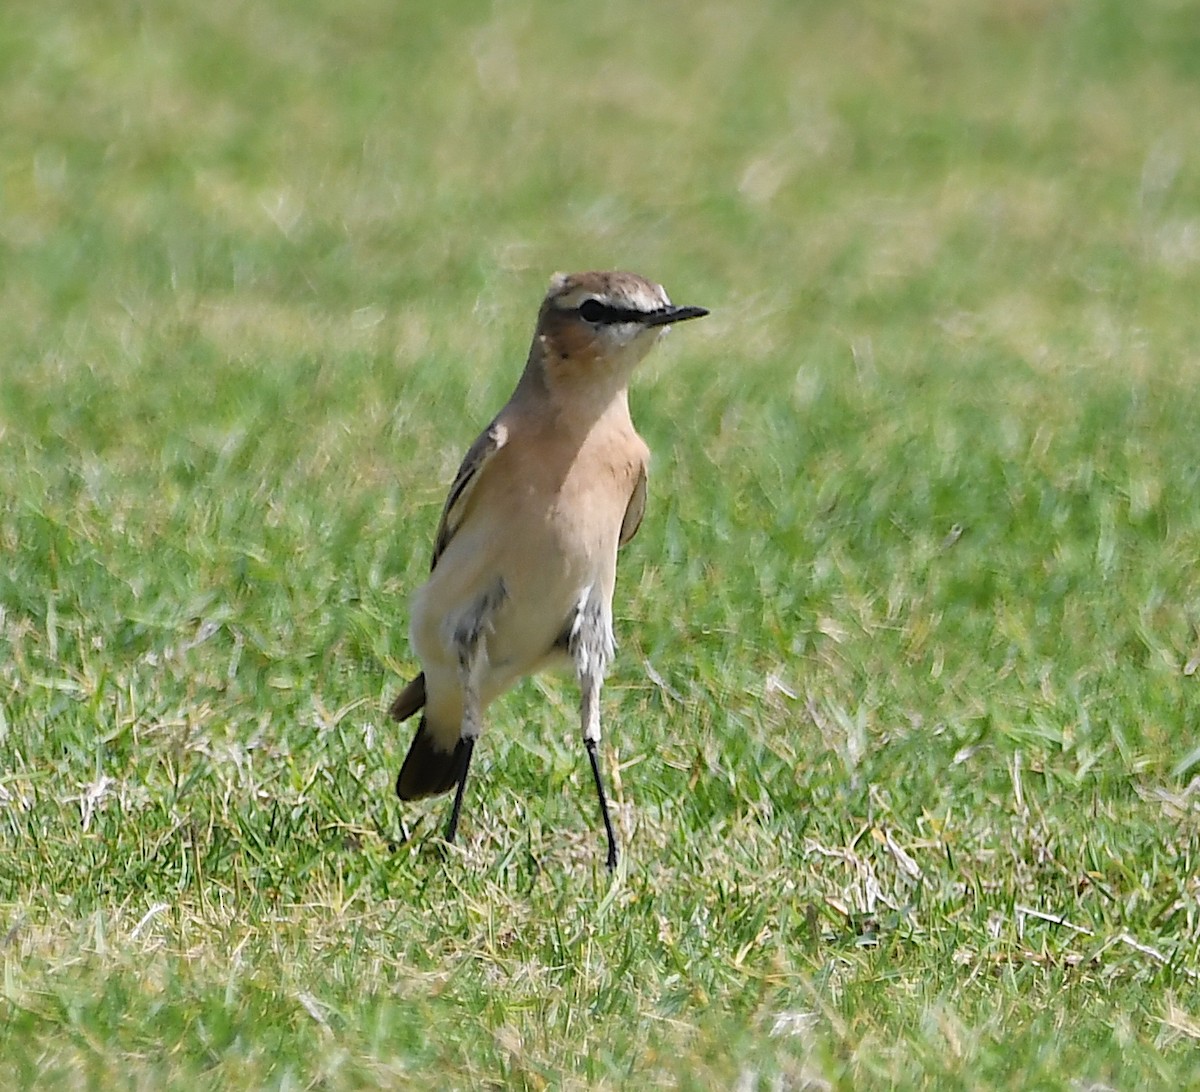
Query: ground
(902, 731)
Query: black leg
(608, 827)
(468, 745)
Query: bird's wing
(491, 440)
(635, 509)
(409, 700)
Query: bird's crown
(613, 299)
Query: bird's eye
(592, 311)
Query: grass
(904, 723)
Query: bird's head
(595, 327)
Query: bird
(525, 554)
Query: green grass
(905, 718)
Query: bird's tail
(428, 770)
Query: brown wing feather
(491, 440)
(409, 700)
(635, 509)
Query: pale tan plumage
(524, 560)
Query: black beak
(669, 315)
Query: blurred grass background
(904, 720)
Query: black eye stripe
(594, 311)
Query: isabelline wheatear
(525, 556)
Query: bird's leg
(591, 647)
(471, 663)
(590, 715)
(468, 745)
(469, 641)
